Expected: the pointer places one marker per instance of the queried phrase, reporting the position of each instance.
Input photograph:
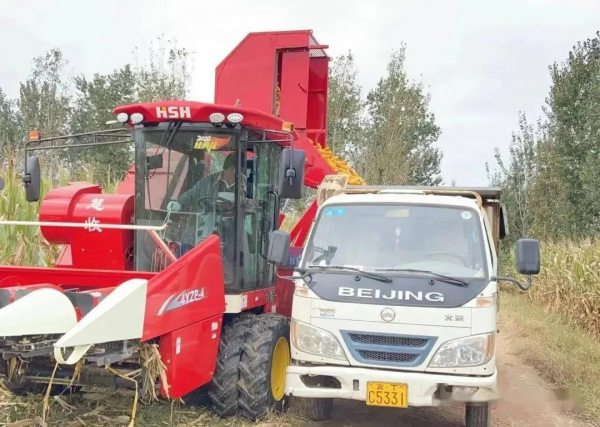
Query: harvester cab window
(195, 187)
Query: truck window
(445, 240)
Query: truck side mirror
(527, 255)
(1, 183)
(279, 247)
(291, 173)
(31, 179)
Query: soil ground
(527, 401)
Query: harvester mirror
(31, 179)
(1, 183)
(527, 255)
(279, 247)
(291, 174)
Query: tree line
(551, 178)
(389, 136)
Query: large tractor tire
(223, 392)
(265, 358)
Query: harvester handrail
(86, 225)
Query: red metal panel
(189, 111)
(58, 205)
(318, 82)
(187, 291)
(67, 278)
(102, 248)
(299, 232)
(294, 87)
(190, 355)
(248, 73)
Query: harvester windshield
(203, 179)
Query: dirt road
(527, 401)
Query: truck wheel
(478, 415)
(223, 390)
(319, 409)
(265, 358)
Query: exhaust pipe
(118, 317)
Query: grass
(95, 409)
(567, 356)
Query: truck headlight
(316, 341)
(464, 352)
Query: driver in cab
(211, 186)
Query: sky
(482, 61)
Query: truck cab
(396, 300)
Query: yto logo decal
(179, 300)
(173, 112)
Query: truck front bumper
(424, 389)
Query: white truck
(396, 299)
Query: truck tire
(319, 409)
(478, 415)
(223, 391)
(265, 358)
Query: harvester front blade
(43, 311)
(118, 317)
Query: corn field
(569, 282)
(24, 245)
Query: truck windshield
(194, 170)
(444, 240)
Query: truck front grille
(387, 357)
(401, 351)
(388, 340)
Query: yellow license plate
(387, 394)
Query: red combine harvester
(176, 259)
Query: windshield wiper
(443, 278)
(359, 272)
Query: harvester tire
(265, 358)
(223, 391)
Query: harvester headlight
(316, 341)
(465, 352)
(235, 117)
(216, 118)
(122, 117)
(137, 118)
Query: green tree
(518, 176)
(399, 141)
(9, 126)
(572, 109)
(44, 104)
(164, 75)
(345, 106)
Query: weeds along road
(527, 401)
